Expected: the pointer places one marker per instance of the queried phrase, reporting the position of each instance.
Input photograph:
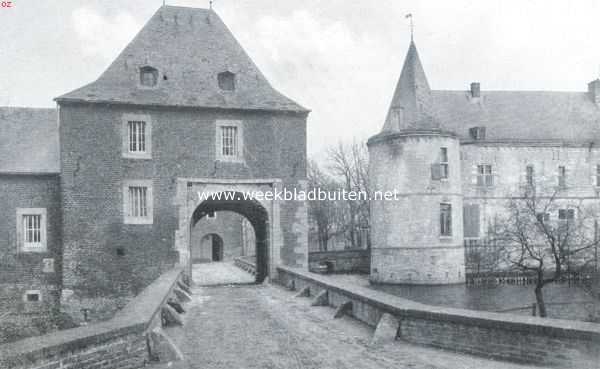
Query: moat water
(562, 301)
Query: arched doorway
(253, 211)
(217, 247)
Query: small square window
(226, 81)
(212, 215)
(32, 296)
(148, 76)
(566, 214)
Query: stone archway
(252, 210)
(262, 215)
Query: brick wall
(118, 343)
(22, 271)
(183, 146)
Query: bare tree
(322, 214)
(533, 242)
(350, 164)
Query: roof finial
(210, 4)
(412, 26)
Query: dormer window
(226, 81)
(148, 76)
(477, 133)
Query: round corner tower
(417, 202)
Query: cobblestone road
(219, 273)
(264, 326)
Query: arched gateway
(199, 197)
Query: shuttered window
(471, 221)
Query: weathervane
(412, 26)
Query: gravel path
(264, 326)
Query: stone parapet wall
(343, 261)
(117, 343)
(494, 335)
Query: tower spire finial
(412, 26)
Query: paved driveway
(264, 326)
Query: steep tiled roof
(411, 104)
(569, 117)
(508, 116)
(28, 140)
(189, 47)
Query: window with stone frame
(485, 176)
(31, 229)
(230, 143)
(566, 215)
(562, 177)
(445, 220)
(137, 136)
(530, 176)
(138, 202)
(444, 167)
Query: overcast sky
(339, 58)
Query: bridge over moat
(222, 321)
(269, 326)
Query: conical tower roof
(411, 106)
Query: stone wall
(494, 335)
(406, 240)
(343, 261)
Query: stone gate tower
(417, 236)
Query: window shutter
(436, 172)
(471, 220)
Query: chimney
(594, 91)
(475, 90)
